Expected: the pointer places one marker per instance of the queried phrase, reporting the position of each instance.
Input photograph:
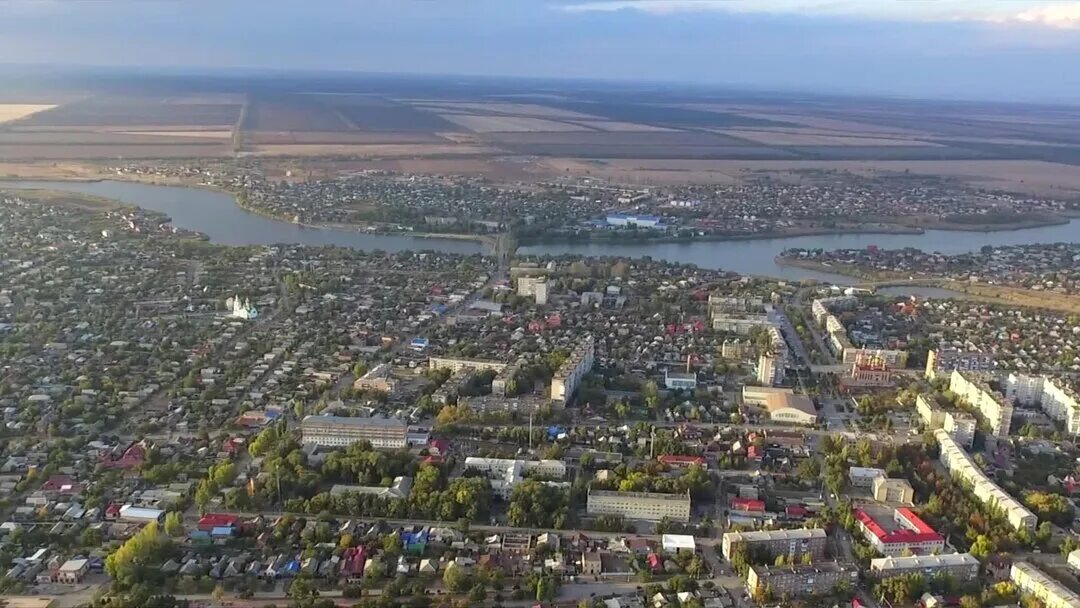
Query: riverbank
(87, 202)
(998, 294)
(485, 239)
(642, 237)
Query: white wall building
(505, 473)
(994, 407)
(341, 431)
(567, 378)
(1052, 396)
(958, 462)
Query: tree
(455, 578)
(970, 601)
(651, 394)
(137, 559)
(302, 591)
(982, 547)
(174, 523)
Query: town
(192, 423)
(579, 208)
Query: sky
(967, 49)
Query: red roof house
(748, 504)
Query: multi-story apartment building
(1053, 396)
(735, 349)
(501, 380)
(887, 489)
(914, 536)
(947, 360)
(961, 426)
(649, 506)
(504, 473)
(960, 566)
(770, 370)
(456, 364)
(535, 287)
(798, 580)
(791, 543)
(958, 462)
(891, 357)
(339, 431)
(569, 375)
(1048, 591)
(974, 388)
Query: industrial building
(649, 506)
(340, 431)
(958, 462)
(782, 404)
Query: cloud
(1065, 15)
(668, 7)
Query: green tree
(174, 523)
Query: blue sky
(999, 49)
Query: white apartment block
(961, 566)
(648, 506)
(569, 375)
(974, 389)
(534, 287)
(341, 431)
(1048, 591)
(958, 462)
(455, 364)
(793, 543)
(1052, 396)
(959, 425)
(505, 473)
(770, 371)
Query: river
(217, 215)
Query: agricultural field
(16, 111)
(517, 130)
(133, 112)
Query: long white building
(505, 473)
(960, 566)
(1033, 581)
(649, 506)
(1053, 396)
(974, 388)
(341, 431)
(958, 462)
